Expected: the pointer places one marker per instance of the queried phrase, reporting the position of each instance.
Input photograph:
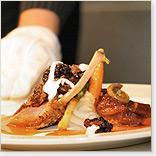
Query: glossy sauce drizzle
(28, 131)
(62, 132)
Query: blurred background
(123, 29)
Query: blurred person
(34, 34)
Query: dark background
(124, 30)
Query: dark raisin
(63, 88)
(104, 125)
(104, 91)
(100, 130)
(62, 70)
(75, 78)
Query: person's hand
(25, 53)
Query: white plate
(140, 93)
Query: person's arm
(59, 8)
(31, 48)
(40, 17)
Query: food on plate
(64, 122)
(71, 97)
(120, 113)
(47, 104)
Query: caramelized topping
(132, 114)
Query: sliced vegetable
(63, 124)
(82, 92)
(96, 80)
(98, 57)
(115, 91)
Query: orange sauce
(14, 130)
(62, 132)
(8, 129)
(117, 128)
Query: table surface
(140, 147)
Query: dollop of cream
(91, 130)
(83, 66)
(52, 85)
(85, 109)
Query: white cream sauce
(83, 66)
(91, 130)
(52, 85)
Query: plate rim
(97, 138)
